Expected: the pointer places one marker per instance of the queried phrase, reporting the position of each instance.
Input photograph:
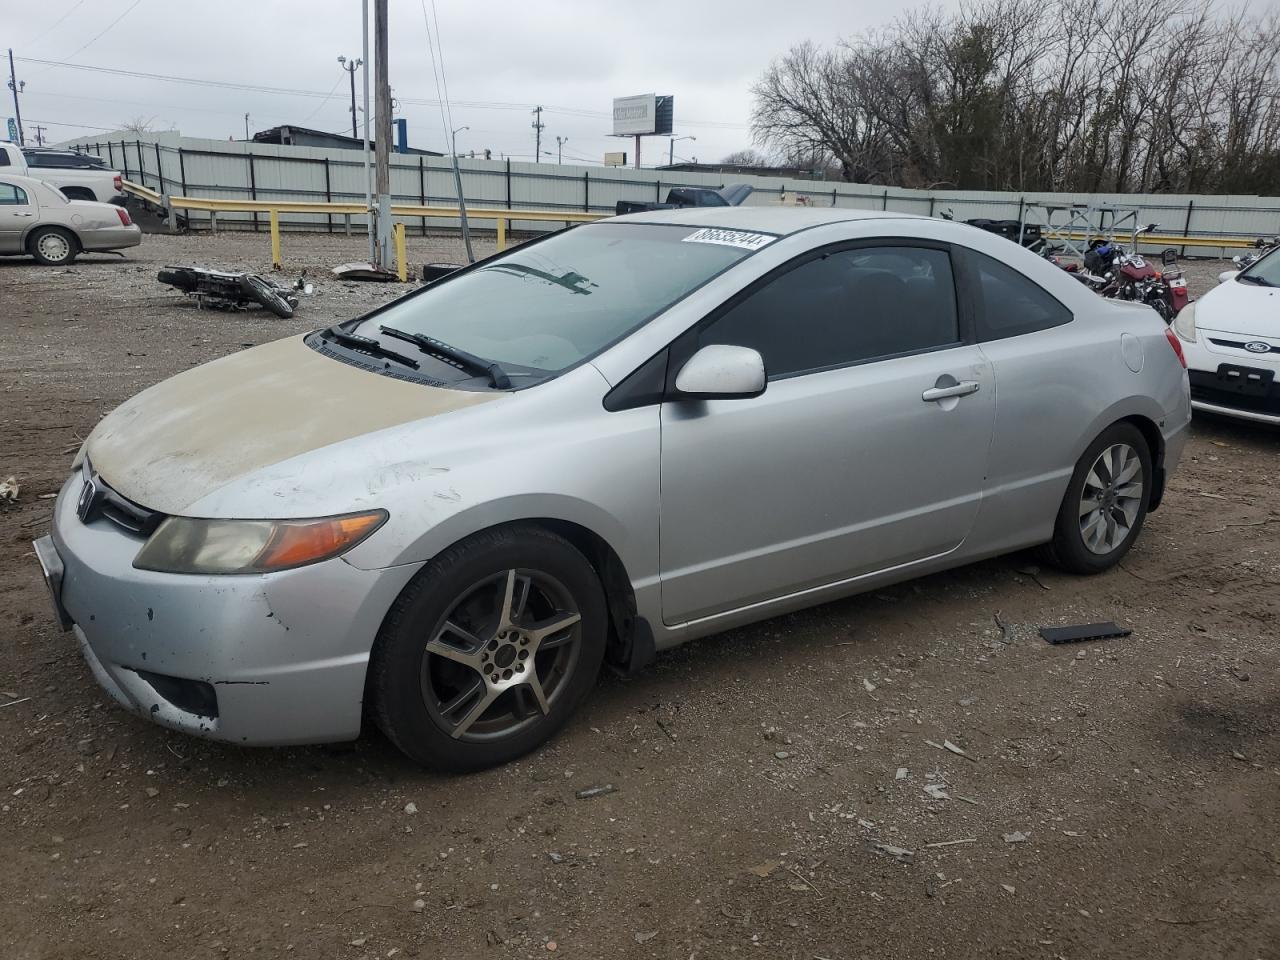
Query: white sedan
(1231, 338)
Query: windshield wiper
(467, 361)
(1254, 278)
(368, 345)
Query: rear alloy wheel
(53, 246)
(1106, 502)
(489, 650)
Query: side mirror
(1228, 275)
(720, 371)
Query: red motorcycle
(1115, 272)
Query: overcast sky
(571, 56)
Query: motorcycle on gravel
(1114, 272)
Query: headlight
(1184, 324)
(188, 545)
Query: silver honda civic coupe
(449, 514)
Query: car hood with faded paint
(181, 441)
(1245, 309)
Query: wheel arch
(78, 193)
(31, 231)
(1155, 444)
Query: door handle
(961, 389)
(24, 214)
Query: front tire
(53, 246)
(489, 649)
(1105, 504)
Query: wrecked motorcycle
(222, 290)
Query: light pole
(246, 126)
(351, 68)
(560, 142)
(671, 149)
(462, 200)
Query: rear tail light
(1177, 346)
(124, 217)
(119, 182)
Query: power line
(103, 32)
(416, 101)
(57, 23)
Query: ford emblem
(1257, 346)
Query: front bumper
(1233, 382)
(283, 656)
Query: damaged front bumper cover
(265, 659)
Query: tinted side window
(845, 307)
(4, 158)
(12, 196)
(1010, 304)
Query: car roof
(766, 219)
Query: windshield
(547, 306)
(1264, 272)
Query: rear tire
(489, 649)
(1106, 502)
(53, 246)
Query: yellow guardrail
(501, 217)
(1172, 240)
(144, 193)
(273, 208)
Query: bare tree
(746, 157)
(139, 124)
(999, 96)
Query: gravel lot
(1117, 799)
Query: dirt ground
(1115, 799)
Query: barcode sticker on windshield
(730, 238)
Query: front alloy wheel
(501, 655)
(489, 649)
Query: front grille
(99, 500)
(1240, 345)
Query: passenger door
(867, 450)
(17, 213)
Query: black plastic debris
(1084, 631)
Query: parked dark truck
(678, 197)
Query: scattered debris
(1006, 631)
(951, 748)
(1034, 574)
(868, 685)
(645, 937)
(12, 702)
(766, 868)
(1237, 755)
(9, 489)
(599, 791)
(782, 754)
(795, 873)
(1084, 631)
(1016, 837)
(410, 808)
(888, 849)
(555, 857)
(938, 791)
(902, 773)
(663, 727)
(1007, 888)
(950, 843)
(1241, 675)
(419, 906)
(357, 270)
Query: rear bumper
(263, 660)
(111, 238)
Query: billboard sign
(13, 130)
(642, 115)
(615, 159)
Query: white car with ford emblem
(1231, 338)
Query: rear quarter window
(1007, 302)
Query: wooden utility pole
(382, 138)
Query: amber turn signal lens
(294, 544)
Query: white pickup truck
(105, 186)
